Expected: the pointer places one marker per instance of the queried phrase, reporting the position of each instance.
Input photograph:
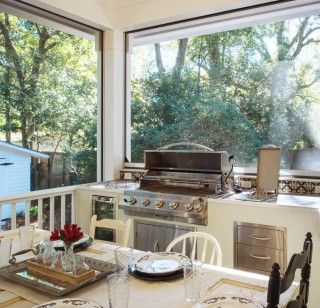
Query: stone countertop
(283, 200)
(117, 186)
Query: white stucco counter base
(297, 218)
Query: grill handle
(260, 258)
(260, 238)
(189, 144)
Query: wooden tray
(41, 270)
(19, 273)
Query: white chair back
(204, 249)
(122, 229)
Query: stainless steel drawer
(260, 237)
(258, 258)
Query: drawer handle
(260, 238)
(260, 258)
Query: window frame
(275, 10)
(71, 26)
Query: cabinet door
(170, 233)
(146, 236)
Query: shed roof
(22, 150)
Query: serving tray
(46, 272)
(54, 287)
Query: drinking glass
(123, 256)
(26, 236)
(118, 290)
(5, 251)
(80, 263)
(192, 280)
(48, 253)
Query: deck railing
(50, 204)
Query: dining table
(216, 281)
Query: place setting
(165, 266)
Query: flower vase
(68, 258)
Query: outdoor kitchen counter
(281, 200)
(286, 200)
(297, 214)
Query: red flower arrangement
(69, 234)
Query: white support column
(40, 214)
(27, 212)
(13, 216)
(113, 111)
(51, 213)
(63, 211)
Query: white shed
(15, 171)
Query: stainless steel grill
(177, 185)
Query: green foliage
(48, 91)
(238, 90)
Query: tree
(236, 91)
(48, 88)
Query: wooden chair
(278, 285)
(216, 254)
(122, 229)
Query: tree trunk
(27, 85)
(7, 103)
(160, 66)
(180, 59)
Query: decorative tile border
(286, 185)
(132, 174)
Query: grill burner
(177, 185)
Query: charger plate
(151, 277)
(229, 301)
(70, 302)
(160, 263)
(20, 274)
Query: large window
(234, 84)
(49, 100)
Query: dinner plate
(78, 245)
(229, 301)
(160, 263)
(69, 302)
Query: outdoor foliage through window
(48, 99)
(236, 91)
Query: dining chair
(122, 229)
(195, 237)
(278, 285)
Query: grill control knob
(173, 205)
(159, 203)
(198, 207)
(188, 207)
(132, 200)
(145, 202)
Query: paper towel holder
(268, 170)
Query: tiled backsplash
(132, 174)
(286, 185)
